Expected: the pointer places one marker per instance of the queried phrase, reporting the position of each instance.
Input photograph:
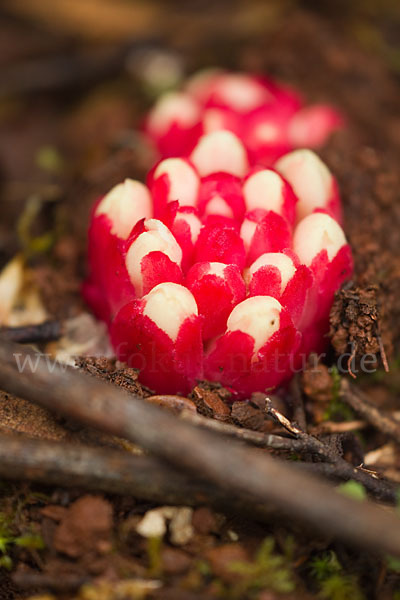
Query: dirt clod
(222, 557)
(210, 403)
(85, 528)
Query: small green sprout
(353, 489)
(269, 570)
(334, 584)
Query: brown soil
(94, 539)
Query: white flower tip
(157, 237)
(241, 92)
(310, 179)
(283, 263)
(259, 317)
(214, 119)
(247, 231)
(173, 107)
(183, 180)
(220, 151)
(264, 189)
(199, 84)
(216, 268)
(168, 305)
(267, 132)
(315, 233)
(219, 206)
(124, 205)
(193, 222)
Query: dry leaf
(20, 302)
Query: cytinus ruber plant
(219, 270)
(270, 119)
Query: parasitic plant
(218, 269)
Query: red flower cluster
(217, 269)
(270, 119)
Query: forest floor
(60, 148)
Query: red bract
(219, 270)
(270, 119)
(160, 334)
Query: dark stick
(231, 467)
(299, 415)
(360, 403)
(256, 438)
(26, 580)
(380, 488)
(104, 470)
(47, 331)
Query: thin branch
(381, 489)
(340, 427)
(26, 580)
(232, 468)
(47, 331)
(105, 470)
(360, 403)
(303, 444)
(257, 438)
(382, 351)
(299, 414)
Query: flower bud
(311, 126)
(153, 256)
(113, 218)
(317, 233)
(266, 189)
(174, 179)
(124, 206)
(256, 350)
(312, 183)
(160, 334)
(220, 151)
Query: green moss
(353, 489)
(269, 570)
(333, 582)
(336, 408)
(15, 532)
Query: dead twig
(350, 360)
(342, 427)
(382, 351)
(299, 414)
(256, 438)
(105, 470)
(360, 403)
(27, 580)
(328, 453)
(232, 468)
(303, 444)
(47, 331)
